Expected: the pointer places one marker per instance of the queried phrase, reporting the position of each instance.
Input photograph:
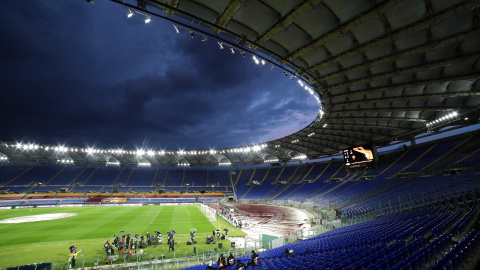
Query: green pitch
(48, 241)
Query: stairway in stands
(293, 180)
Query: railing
(154, 260)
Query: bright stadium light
(144, 164)
(225, 163)
(271, 160)
(113, 163)
(130, 13)
(150, 153)
(148, 19)
(443, 120)
(140, 152)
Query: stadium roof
(383, 71)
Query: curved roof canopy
(385, 70)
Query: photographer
(171, 245)
(73, 258)
(149, 239)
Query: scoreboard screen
(361, 155)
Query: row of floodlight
(300, 157)
(272, 160)
(3, 158)
(144, 164)
(183, 164)
(313, 94)
(139, 152)
(232, 49)
(142, 152)
(451, 117)
(225, 164)
(65, 161)
(148, 19)
(263, 62)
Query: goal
(209, 212)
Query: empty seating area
(397, 241)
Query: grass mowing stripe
(156, 215)
(46, 241)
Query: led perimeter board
(360, 156)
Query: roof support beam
(428, 47)
(405, 85)
(343, 131)
(335, 117)
(431, 65)
(467, 93)
(228, 14)
(335, 139)
(402, 109)
(174, 4)
(286, 21)
(346, 28)
(367, 126)
(303, 139)
(428, 22)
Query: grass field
(48, 241)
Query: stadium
(386, 175)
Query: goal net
(209, 212)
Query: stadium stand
(416, 205)
(143, 177)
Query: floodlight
(204, 38)
(176, 29)
(192, 33)
(231, 49)
(285, 74)
(148, 19)
(130, 13)
(220, 44)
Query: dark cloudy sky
(83, 74)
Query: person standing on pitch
(171, 245)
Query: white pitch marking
(155, 215)
(188, 213)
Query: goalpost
(209, 212)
